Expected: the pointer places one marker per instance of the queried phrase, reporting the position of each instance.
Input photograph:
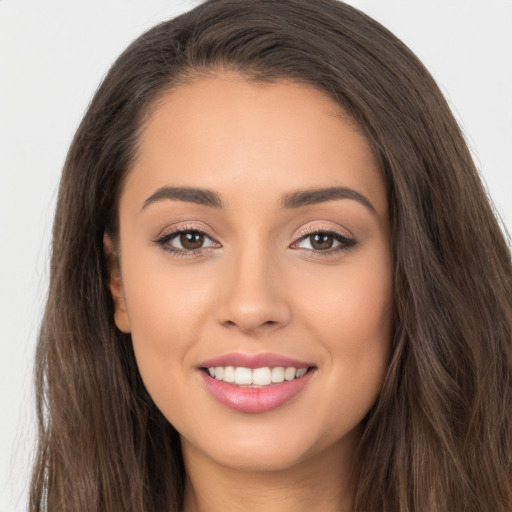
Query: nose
(253, 296)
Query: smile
(256, 377)
(255, 383)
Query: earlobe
(115, 285)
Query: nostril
(250, 326)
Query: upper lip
(252, 361)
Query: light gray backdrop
(52, 57)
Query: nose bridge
(253, 297)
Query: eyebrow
(321, 195)
(200, 196)
(292, 200)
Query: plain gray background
(53, 55)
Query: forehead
(235, 136)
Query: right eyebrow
(200, 196)
(321, 195)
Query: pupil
(192, 240)
(321, 241)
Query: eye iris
(321, 241)
(192, 240)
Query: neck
(318, 483)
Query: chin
(265, 460)
(263, 448)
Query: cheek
(351, 317)
(164, 302)
(166, 309)
(353, 305)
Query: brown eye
(186, 242)
(191, 240)
(328, 242)
(321, 241)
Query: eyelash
(163, 240)
(346, 243)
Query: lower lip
(255, 400)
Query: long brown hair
(439, 437)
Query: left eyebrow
(321, 195)
(201, 196)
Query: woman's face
(255, 246)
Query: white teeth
(301, 372)
(289, 373)
(258, 377)
(229, 374)
(243, 376)
(261, 376)
(278, 374)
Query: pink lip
(254, 400)
(254, 361)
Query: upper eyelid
(318, 229)
(185, 229)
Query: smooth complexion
(254, 268)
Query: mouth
(255, 383)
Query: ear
(115, 285)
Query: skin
(259, 286)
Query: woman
(277, 282)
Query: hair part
(439, 436)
